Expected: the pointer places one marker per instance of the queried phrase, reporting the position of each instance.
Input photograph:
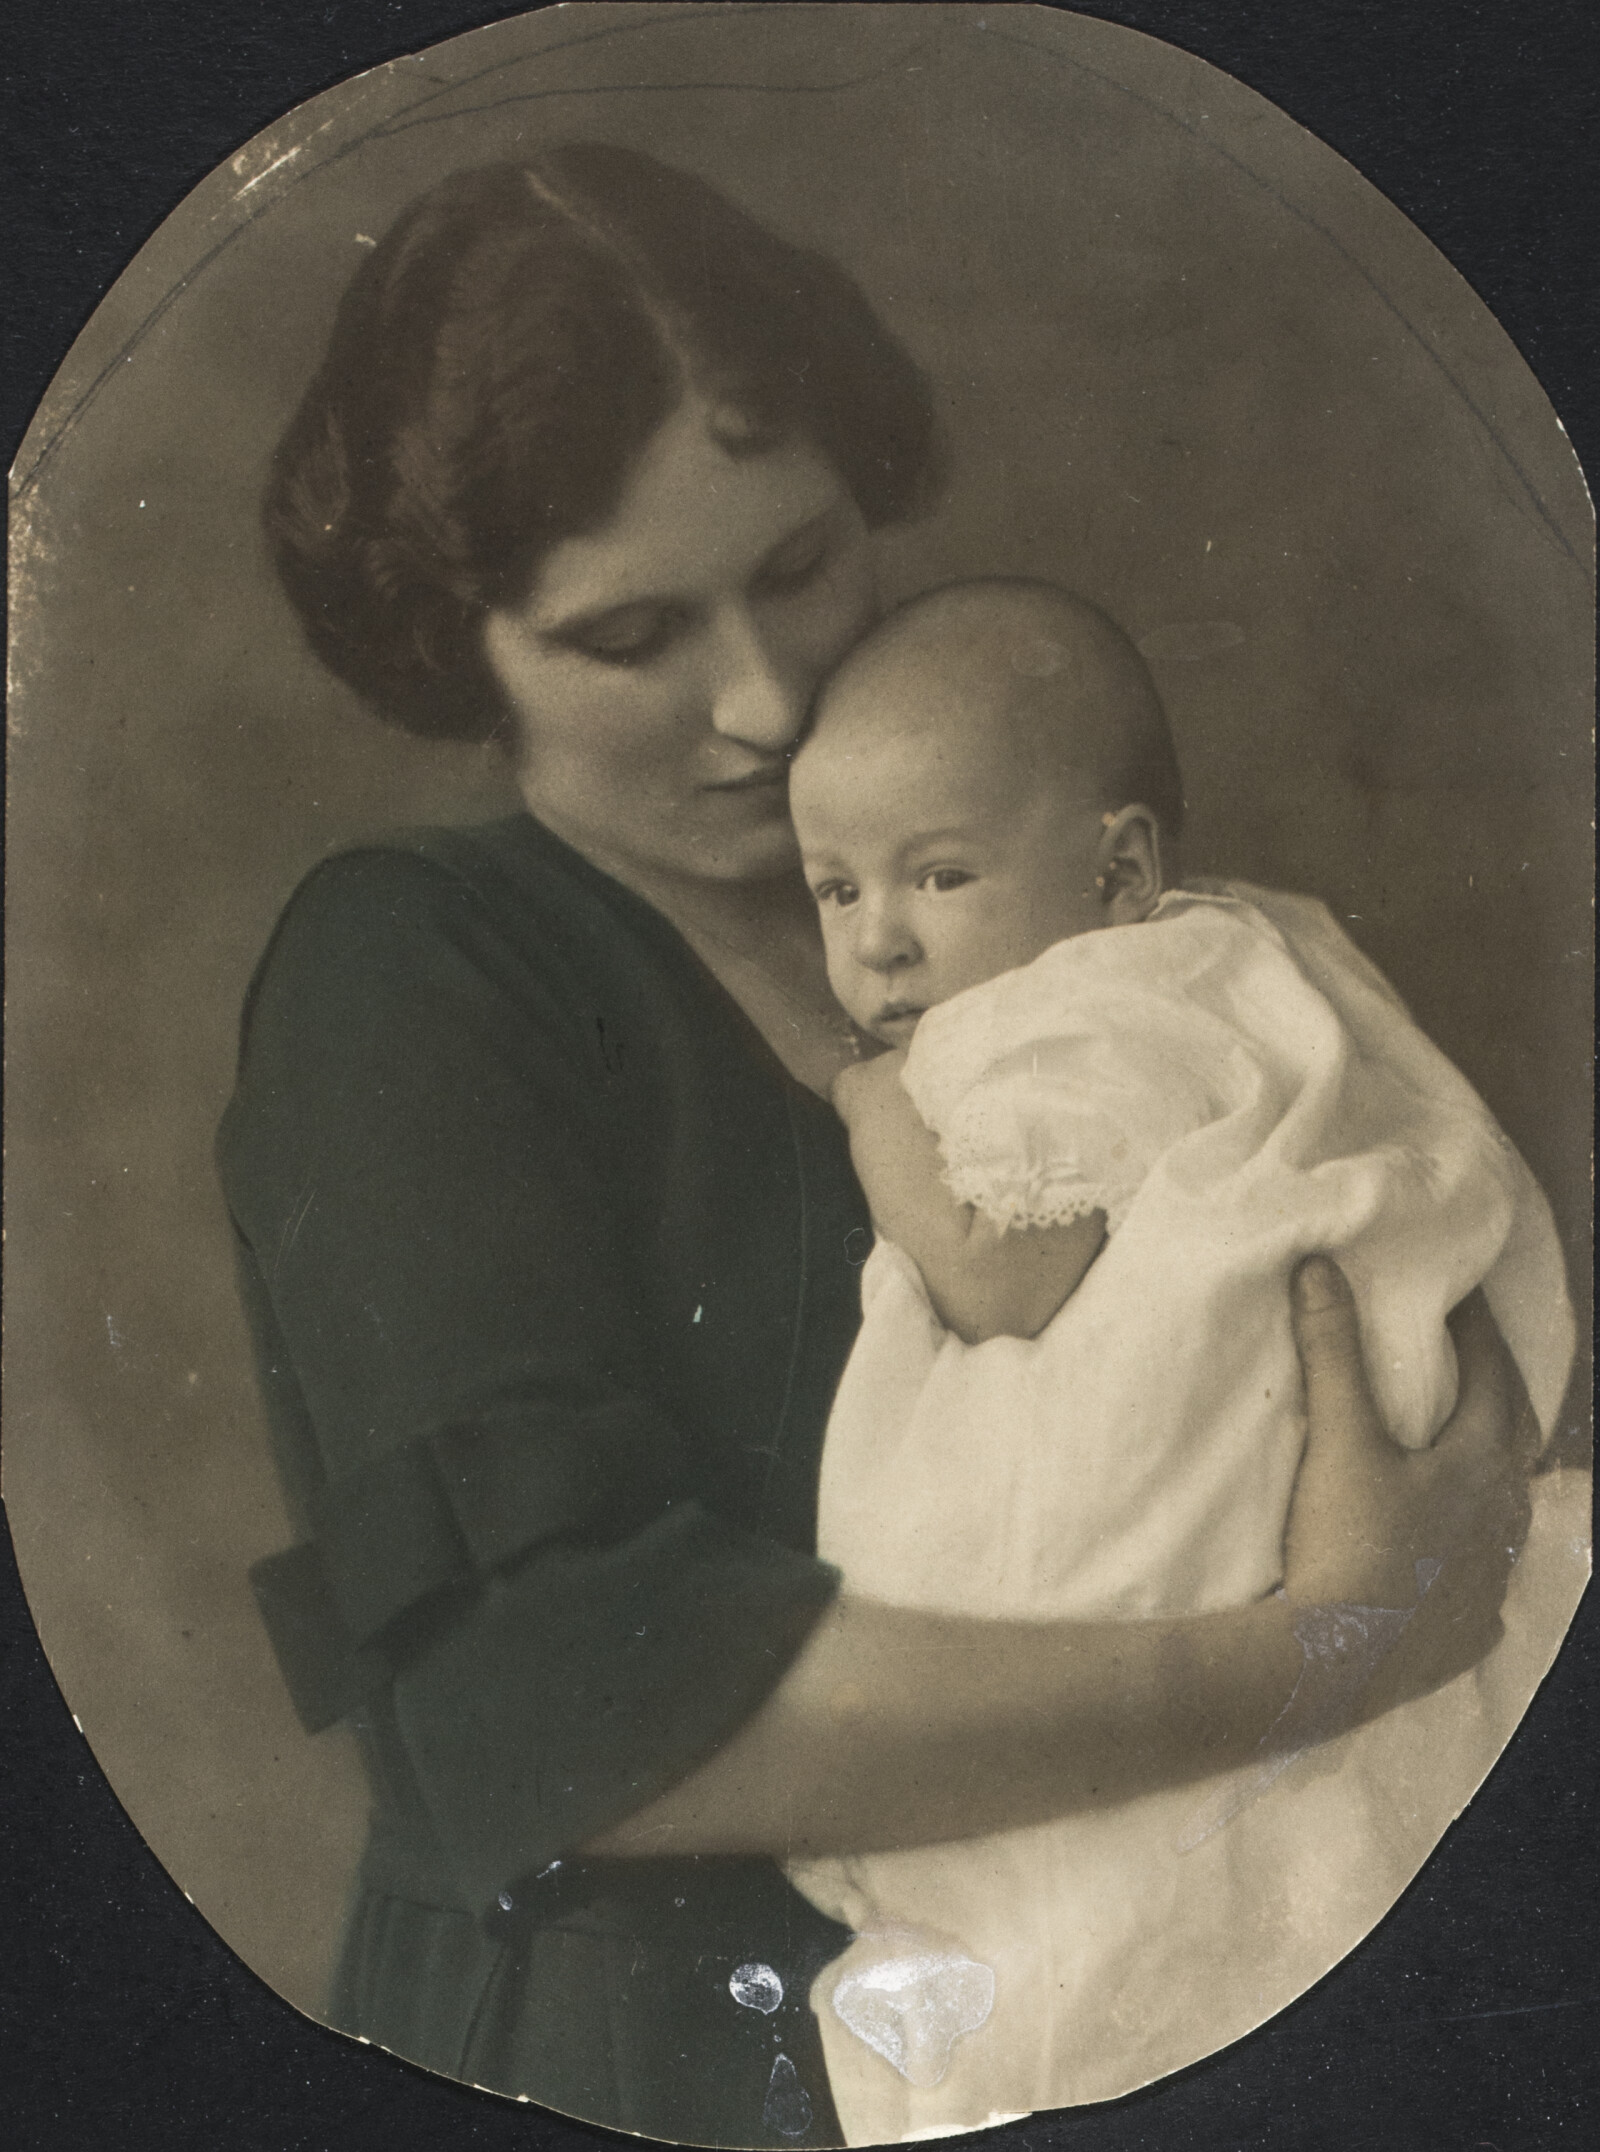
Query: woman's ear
(1128, 865)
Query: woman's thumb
(1327, 1334)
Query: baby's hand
(861, 1087)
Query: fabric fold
(441, 1514)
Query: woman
(549, 1238)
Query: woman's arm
(895, 1728)
(508, 1552)
(983, 1283)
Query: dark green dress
(552, 1270)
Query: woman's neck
(761, 942)
(755, 918)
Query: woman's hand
(1432, 1531)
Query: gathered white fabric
(1235, 1087)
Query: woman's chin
(761, 854)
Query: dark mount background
(1471, 2021)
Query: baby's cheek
(981, 952)
(845, 979)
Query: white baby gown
(1236, 1087)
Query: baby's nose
(884, 942)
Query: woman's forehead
(694, 516)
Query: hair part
(496, 367)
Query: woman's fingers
(1491, 1441)
(1327, 1334)
(1491, 1398)
(1436, 1530)
(1349, 1534)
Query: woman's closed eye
(635, 634)
(630, 636)
(799, 561)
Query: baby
(1115, 1111)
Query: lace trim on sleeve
(1024, 1157)
(1038, 1203)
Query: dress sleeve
(1054, 1089)
(1062, 1130)
(501, 1531)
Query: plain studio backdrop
(1191, 365)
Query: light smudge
(911, 1998)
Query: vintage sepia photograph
(799, 961)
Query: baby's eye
(838, 893)
(944, 878)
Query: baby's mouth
(896, 1019)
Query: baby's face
(937, 861)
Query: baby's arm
(983, 1283)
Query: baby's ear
(1129, 865)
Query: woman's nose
(755, 697)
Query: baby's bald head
(988, 774)
(1022, 675)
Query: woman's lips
(760, 780)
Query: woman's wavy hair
(497, 365)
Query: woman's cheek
(644, 720)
